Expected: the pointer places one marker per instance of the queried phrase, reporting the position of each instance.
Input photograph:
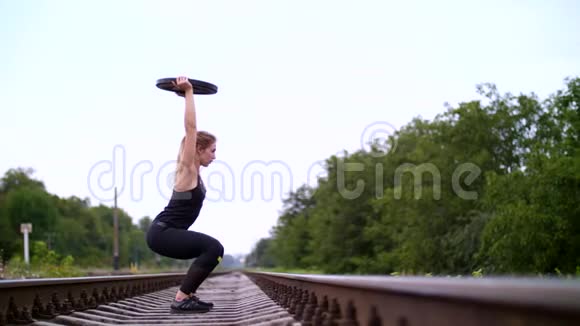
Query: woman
(168, 234)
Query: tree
(18, 178)
(31, 205)
(260, 255)
(144, 223)
(402, 206)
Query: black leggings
(184, 244)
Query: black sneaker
(195, 298)
(188, 306)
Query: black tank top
(184, 207)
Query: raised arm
(189, 146)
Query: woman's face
(206, 156)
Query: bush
(43, 263)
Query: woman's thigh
(180, 244)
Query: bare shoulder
(185, 177)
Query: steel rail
(22, 301)
(406, 301)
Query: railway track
(252, 298)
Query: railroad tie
(237, 301)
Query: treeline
(66, 226)
(491, 186)
(69, 236)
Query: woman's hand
(183, 84)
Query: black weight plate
(199, 87)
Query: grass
(286, 270)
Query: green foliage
(81, 234)
(520, 239)
(16, 268)
(492, 184)
(31, 205)
(287, 270)
(43, 263)
(19, 178)
(261, 255)
(477, 273)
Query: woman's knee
(217, 248)
(213, 253)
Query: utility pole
(115, 235)
(26, 228)
(1, 264)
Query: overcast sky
(298, 82)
